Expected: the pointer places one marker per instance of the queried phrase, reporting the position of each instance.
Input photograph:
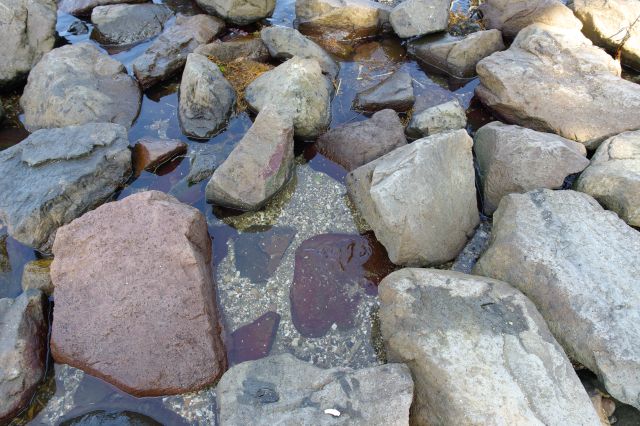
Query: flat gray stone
(357, 17)
(239, 12)
(413, 18)
(128, 23)
(394, 92)
(83, 8)
(440, 118)
(228, 51)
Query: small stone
(258, 254)
(441, 118)
(239, 12)
(149, 154)
(78, 28)
(358, 17)
(83, 8)
(128, 23)
(394, 92)
(413, 18)
(253, 341)
(251, 48)
(36, 276)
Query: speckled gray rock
(420, 199)
(581, 97)
(84, 7)
(227, 51)
(36, 275)
(437, 119)
(28, 29)
(258, 167)
(580, 265)
(513, 159)
(78, 84)
(23, 349)
(128, 23)
(239, 12)
(479, 352)
(457, 56)
(168, 53)
(299, 90)
(394, 92)
(207, 99)
(285, 43)
(413, 18)
(286, 391)
(355, 16)
(62, 174)
(613, 178)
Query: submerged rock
(413, 18)
(440, 118)
(361, 17)
(228, 51)
(259, 254)
(613, 177)
(84, 7)
(28, 28)
(55, 175)
(394, 92)
(23, 350)
(239, 12)
(36, 275)
(138, 309)
(148, 154)
(479, 352)
(420, 199)
(128, 23)
(580, 266)
(78, 84)
(513, 159)
(355, 144)
(253, 341)
(580, 97)
(168, 53)
(284, 390)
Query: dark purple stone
(254, 341)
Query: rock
(394, 92)
(149, 154)
(355, 144)
(284, 390)
(479, 352)
(513, 159)
(78, 84)
(138, 309)
(285, 43)
(613, 178)
(469, 256)
(259, 254)
(62, 174)
(206, 158)
(23, 350)
(78, 28)
(168, 53)
(441, 118)
(581, 97)
(332, 274)
(228, 51)
(254, 341)
(511, 16)
(239, 12)
(413, 18)
(36, 276)
(261, 164)
(128, 23)
(111, 418)
(299, 90)
(580, 265)
(84, 7)
(608, 23)
(362, 17)
(207, 99)
(29, 31)
(456, 56)
(420, 199)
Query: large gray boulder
(420, 199)
(413, 18)
(456, 56)
(62, 173)
(239, 12)
(285, 43)
(359, 17)
(28, 28)
(128, 23)
(579, 264)
(440, 118)
(299, 90)
(612, 24)
(168, 53)
(227, 51)
(394, 92)
(286, 391)
(479, 352)
(613, 178)
(83, 8)
(259, 166)
(207, 99)
(580, 97)
(78, 84)
(23, 351)
(513, 159)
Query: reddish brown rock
(254, 341)
(135, 298)
(148, 154)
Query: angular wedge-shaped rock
(135, 298)
(413, 18)
(579, 264)
(420, 199)
(394, 92)
(258, 167)
(440, 118)
(466, 337)
(228, 51)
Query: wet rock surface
(64, 172)
(440, 118)
(129, 23)
(78, 84)
(227, 51)
(153, 327)
(285, 390)
(258, 254)
(254, 341)
(445, 325)
(355, 16)
(579, 264)
(36, 275)
(394, 92)
(149, 154)
(84, 7)
(419, 17)
(239, 12)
